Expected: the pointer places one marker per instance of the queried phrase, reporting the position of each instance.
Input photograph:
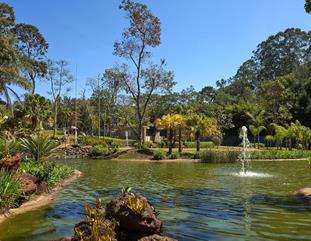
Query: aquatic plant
(98, 229)
(136, 203)
(126, 190)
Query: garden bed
(40, 200)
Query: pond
(196, 201)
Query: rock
(146, 223)
(156, 237)
(304, 195)
(41, 187)
(10, 163)
(29, 183)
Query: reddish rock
(146, 223)
(10, 163)
(29, 183)
(42, 187)
(156, 237)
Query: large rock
(32, 184)
(147, 222)
(304, 195)
(10, 163)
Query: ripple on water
(196, 201)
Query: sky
(202, 40)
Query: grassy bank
(11, 187)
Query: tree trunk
(179, 140)
(197, 135)
(139, 134)
(55, 119)
(170, 147)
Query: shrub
(50, 171)
(136, 203)
(219, 156)
(99, 150)
(174, 155)
(158, 155)
(10, 191)
(279, 154)
(8, 147)
(39, 146)
(197, 155)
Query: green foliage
(50, 171)
(308, 6)
(99, 150)
(203, 144)
(8, 147)
(227, 156)
(174, 155)
(39, 146)
(10, 191)
(126, 190)
(279, 154)
(158, 155)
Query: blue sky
(202, 40)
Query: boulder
(10, 163)
(29, 183)
(146, 223)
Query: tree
(257, 125)
(37, 110)
(143, 32)
(31, 47)
(308, 6)
(171, 123)
(201, 125)
(9, 59)
(59, 76)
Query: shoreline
(41, 200)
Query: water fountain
(244, 157)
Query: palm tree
(38, 109)
(200, 125)
(257, 125)
(281, 133)
(171, 123)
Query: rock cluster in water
(76, 151)
(129, 217)
(304, 195)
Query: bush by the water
(105, 141)
(211, 156)
(50, 171)
(158, 155)
(10, 191)
(279, 154)
(174, 155)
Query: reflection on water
(196, 201)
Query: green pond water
(196, 201)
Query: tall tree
(59, 76)
(9, 59)
(32, 48)
(308, 6)
(143, 32)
